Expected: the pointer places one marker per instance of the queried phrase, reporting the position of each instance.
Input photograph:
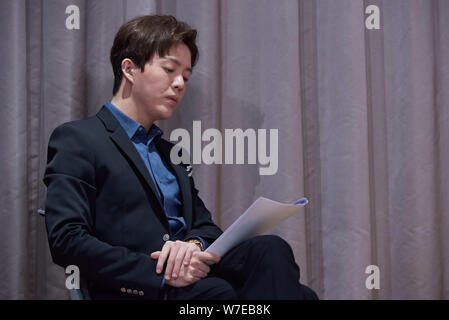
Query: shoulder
(80, 130)
(80, 125)
(72, 150)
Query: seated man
(130, 219)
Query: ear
(129, 69)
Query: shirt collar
(133, 128)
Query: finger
(187, 257)
(198, 272)
(191, 277)
(207, 257)
(188, 275)
(178, 261)
(200, 265)
(171, 261)
(163, 256)
(191, 249)
(155, 254)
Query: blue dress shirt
(167, 186)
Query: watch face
(197, 242)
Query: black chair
(75, 294)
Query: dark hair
(143, 36)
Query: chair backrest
(75, 294)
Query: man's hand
(185, 262)
(196, 270)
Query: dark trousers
(260, 268)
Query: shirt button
(166, 237)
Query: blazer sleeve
(70, 204)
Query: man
(124, 214)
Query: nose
(179, 83)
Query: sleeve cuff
(204, 242)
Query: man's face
(161, 86)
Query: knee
(308, 293)
(275, 253)
(273, 244)
(272, 250)
(220, 289)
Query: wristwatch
(197, 242)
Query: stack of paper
(261, 216)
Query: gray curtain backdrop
(363, 120)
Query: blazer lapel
(121, 139)
(164, 148)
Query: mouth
(173, 99)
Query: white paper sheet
(261, 216)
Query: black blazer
(102, 210)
